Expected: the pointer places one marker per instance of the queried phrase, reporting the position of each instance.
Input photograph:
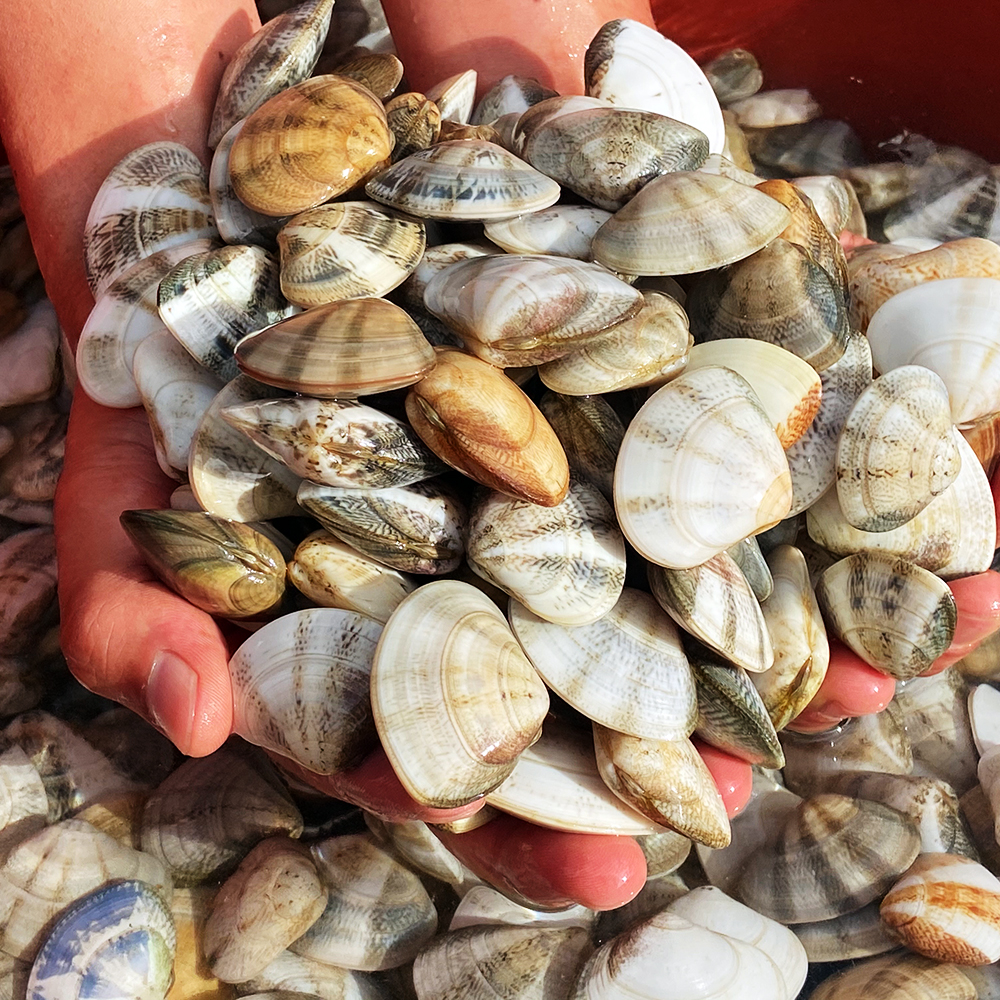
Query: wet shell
(23, 803)
(352, 347)
(300, 688)
(380, 72)
(734, 74)
(566, 563)
(155, 197)
(414, 121)
(308, 144)
(685, 222)
(512, 94)
(282, 53)
(295, 977)
(345, 251)
(897, 977)
(860, 934)
(562, 230)
(448, 660)
(117, 942)
(626, 671)
(947, 907)
(699, 469)
(435, 259)
(471, 415)
(455, 95)
(463, 181)
(223, 567)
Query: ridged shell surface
(562, 230)
(415, 123)
(900, 976)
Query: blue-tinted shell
(117, 943)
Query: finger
(850, 688)
(851, 241)
(552, 867)
(125, 635)
(977, 599)
(995, 489)
(732, 775)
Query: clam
(634, 66)
(447, 655)
(836, 203)
(29, 357)
(347, 250)
(476, 419)
(820, 146)
(279, 55)
(859, 934)
(773, 108)
(543, 112)
(566, 563)
(512, 94)
(223, 567)
(192, 976)
(23, 803)
(300, 687)
(307, 144)
(435, 259)
(295, 977)
(562, 231)
(700, 468)
(380, 72)
(900, 976)
(734, 74)
(421, 850)
(455, 95)
(684, 222)
(415, 123)
(463, 181)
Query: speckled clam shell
(336, 442)
(229, 475)
(267, 903)
(900, 976)
(566, 563)
(415, 529)
(591, 434)
(455, 95)
(947, 907)
(124, 315)
(714, 603)
(812, 458)
(897, 450)
(512, 94)
(648, 349)
(435, 259)
(308, 144)
(562, 230)
(556, 784)
(209, 812)
(155, 197)
(949, 326)
(626, 671)
(380, 72)
(210, 301)
(685, 222)
(295, 977)
(223, 567)
(833, 855)
(23, 802)
(415, 123)
(523, 309)
(798, 638)
(463, 181)
(734, 74)
(489, 963)
(300, 687)
(118, 940)
(56, 866)
(345, 251)
(334, 575)
(348, 348)
(634, 66)
(447, 655)
(860, 934)
(952, 536)
(282, 53)
(583, 151)
(700, 468)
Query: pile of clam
(548, 397)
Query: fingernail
(172, 698)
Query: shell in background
(380, 72)
(300, 688)
(700, 468)
(512, 94)
(448, 660)
(282, 53)
(464, 180)
(626, 671)
(307, 144)
(734, 74)
(562, 230)
(345, 251)
(154, 198)
(455, 95)
(685, 222)
(634, 66)
(566, 563)
(859, 934)
(415, 123)
(900, 976)
(295, 977)
(23, 803)
(822, 146)
(773, 108)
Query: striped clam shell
(734, 74)
(562, 230)
(380, 72)
(899, 976)
(415, 123)
(512, 94)
(859, 934)
(455, 95)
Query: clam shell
(897, 450)
(626, 671)
(700, 468)
(773, 108)
(380, 72)
(300, 688)
(282, 53)
(414, 121)
(734, 74)
(685, 222)
(421, 849)
(447, 658)
(348, 348)
(512, 94)
(435, 259)
(307, 144)
(900, 976)
(566, 563)
(463, 181)
(836, 203)
(154, 198)
(634, 66)
(295, 977)
(821, 146)
(345, 251)
(946, 907)
(562, 230)
(23, 803)
(860, 934)
(455, 95)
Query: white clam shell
(774, 108)
(984, 715)
(455, 96)
(484, 905)
(23, 803)
(293, 977)
(562, 230)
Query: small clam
(773, 108)
(414, 121)
(835, 202)
(455, 96)
(512, 94)
(734, 74)
(562, 230)
(900, 976)
(380, 72)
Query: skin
(124, 634)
